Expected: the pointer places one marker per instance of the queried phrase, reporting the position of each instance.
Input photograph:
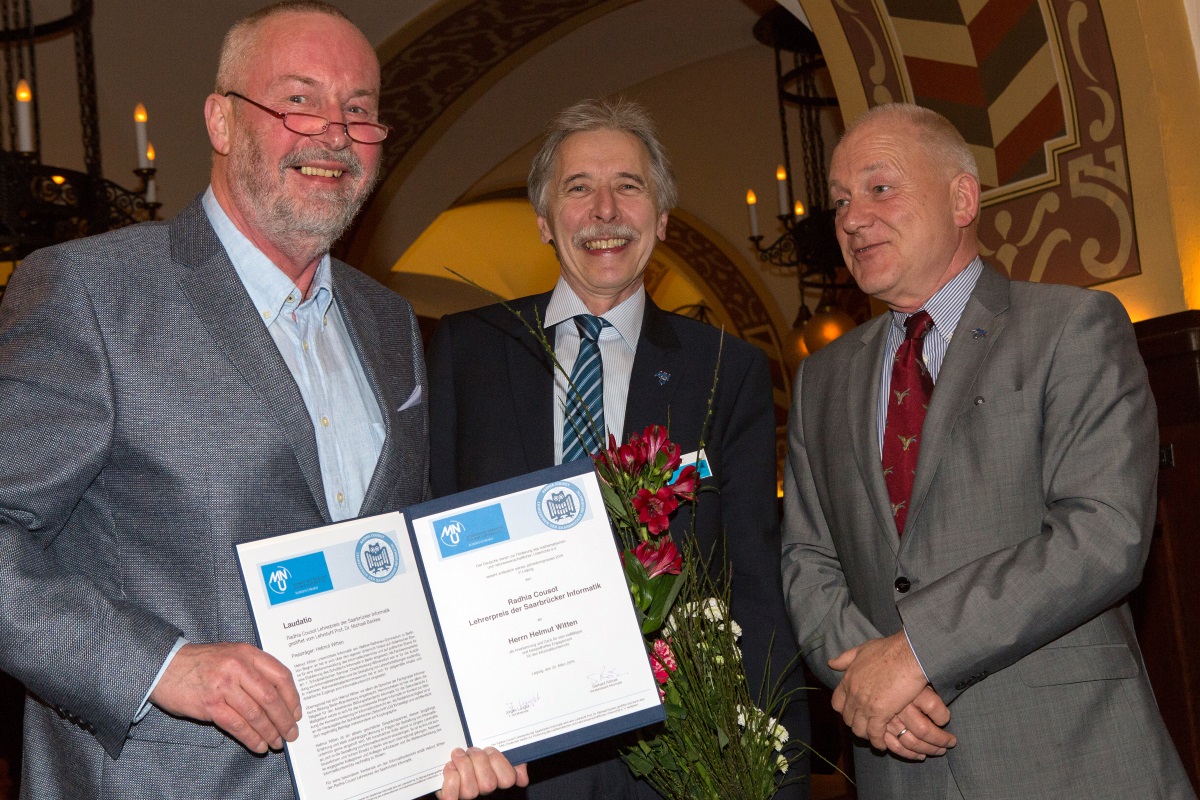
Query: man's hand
(476, 772)
(881, 678)
(239, 688)
(916, 732)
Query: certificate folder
(499, 616)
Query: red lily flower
(685, 485)
(653, 508)
(661, 558)
(662, 661)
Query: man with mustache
(172, 389)
(602, 189)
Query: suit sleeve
(1098, 444)
(81, 648)
(824, 618)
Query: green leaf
(660, 607)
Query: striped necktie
(583, 425)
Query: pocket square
(412, 400)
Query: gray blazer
(1030, 522)
(147, 425)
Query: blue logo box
(471, 530)
(296, 577)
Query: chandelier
(42, 204)
(807, 245)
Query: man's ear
(661, 228)
(965, 187)
(544, 229)
(218, 112)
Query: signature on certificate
(604, 677)
(517, 707)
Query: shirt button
(266, 315)
(291, 298)
(305, 345)
(340, 497)
(325, 421)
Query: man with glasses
(172, 389)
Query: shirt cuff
(917, 657)
(145, 707)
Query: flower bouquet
(716, 742)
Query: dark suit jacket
(491, 417)
(147, 425)
(1030, 520)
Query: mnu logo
(452, 533)
(277, 579)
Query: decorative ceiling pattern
(445, 61)
(1032, 86)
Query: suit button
(902, 584)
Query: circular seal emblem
(560, 505)
(377, 557)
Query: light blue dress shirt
(315, 344)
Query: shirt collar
(626, 317)
(271, 291)
(946, 306)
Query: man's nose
(605, 206)
(336, 135)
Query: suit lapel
(862, 398)
(220, 301)
(964, 359)
(658, 354)
(531, 386)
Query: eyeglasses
(313, 125)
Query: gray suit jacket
(1029, 523)
(147, 425)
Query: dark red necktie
(908, 400)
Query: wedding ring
(901, 733)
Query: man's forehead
(304, 47)
(583, 150)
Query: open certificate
(495, 617)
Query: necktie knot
(918, 325)
(589, 326)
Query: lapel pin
(663, 377)
(978, 333)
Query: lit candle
(151, 186)
(751, 201)
(799, 209)
(139, 125)
(24, 118)
(781, 182)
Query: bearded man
(172, 389)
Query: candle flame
(23, 93)
(150, 154)
(139, 113)
(781, 173)
(750, 198)
(59, 180)
(799, 209)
